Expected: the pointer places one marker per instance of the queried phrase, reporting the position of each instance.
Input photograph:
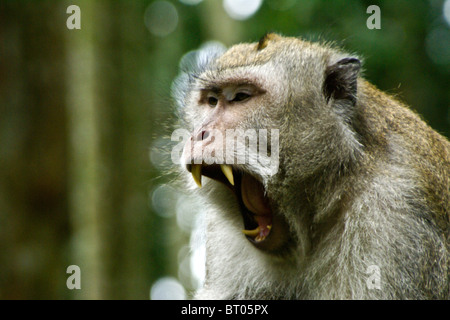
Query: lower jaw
(273, 235)
(256, 227)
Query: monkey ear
(341, 80)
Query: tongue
(253, 196)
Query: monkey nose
(202, 135)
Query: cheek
(238, 117)
(198, 117)
(231, 119)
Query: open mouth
(261, 226)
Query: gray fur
(360, 183)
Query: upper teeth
(228, 172)
(196, 171)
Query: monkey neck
(332, 186)
(326, 194)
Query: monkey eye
(241, 96)
(212, 101)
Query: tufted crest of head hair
(264, 41)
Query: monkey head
(262, 118)
(310, 175)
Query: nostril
(202, 135)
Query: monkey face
(227, 148)
(236, 113)
(238, 101)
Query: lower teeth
(259, 238)
(259, 233)
(252, 233)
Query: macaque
(336, 190)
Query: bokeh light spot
(186, 209)
(167, 288)
(191, 2)
(446, 9)
(161, 18)
(163, 201)
(198, 265)
(437, 44)
(241, 9)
